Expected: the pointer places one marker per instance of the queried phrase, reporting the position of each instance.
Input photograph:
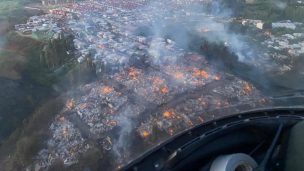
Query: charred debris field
(158, 68)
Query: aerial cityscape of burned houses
(148, 83)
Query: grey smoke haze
(217, 9)
(176, 24)
(121, 146)
(187, 20)
(279, 4)
(167, 24)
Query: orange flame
(164, 90)
(70, 104)
(247, 88)
(107, 90)
(145, 134)
(168, 114)
(200, 73)
(179, 75)
(134, 73)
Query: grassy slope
(26, 85)
(24, 82)
(25, 142)
(19, 94)
(10, 64)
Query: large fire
(200, 73)
(169, 114)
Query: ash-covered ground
(150, 85)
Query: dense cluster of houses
(44, 24)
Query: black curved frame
(171, 148)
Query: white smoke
(121, 146)
(279, 4)
(218, 33)
(190, 18)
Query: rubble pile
(66, 144)
(98, 109)
(199, 106)
(149, 85)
